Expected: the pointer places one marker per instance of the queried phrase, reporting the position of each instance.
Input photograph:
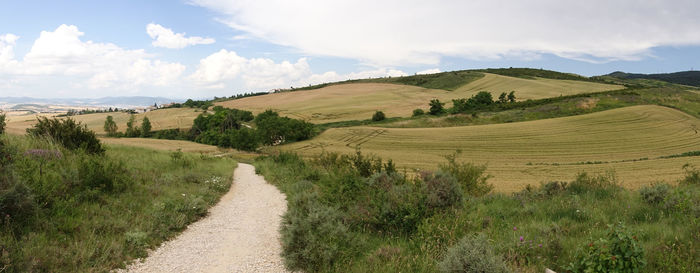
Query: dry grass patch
(524, 153)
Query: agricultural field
(182, 145)
(358, 101)
(629, 141)
(171, 118)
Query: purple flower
(515, 228)
(522, 238)
(539, 245)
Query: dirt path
(239, 235)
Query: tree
(483, 98)
(110, 126)
(131, 130)
(503, 98)
(2, 124)
(436, 107)
(511, 96)
(378, 116)
(145, 127)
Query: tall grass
(551, 225)
(92, 213)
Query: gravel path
(239, 235)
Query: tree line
(225, 128)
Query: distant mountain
(106, 101)
(691, 78)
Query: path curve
(240, 234)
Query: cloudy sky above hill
(204, 48)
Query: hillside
(524, 153)
(160, 119)
(357, 101)
(691, 78)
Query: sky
(205, 48)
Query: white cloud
(421, 32)
(61, 55)
(220, 69)
(165, 37)
(428, 71)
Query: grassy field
(74, 212)
(358, 101)
(628, 140)
(160, 119)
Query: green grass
(94, 213)
(556, 222)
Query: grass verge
(343, 219)
(66, 211)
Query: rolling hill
(359, 100)
(160, 119)
(691, 78)
(628, 140)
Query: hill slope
(358, 101)
(691, 78)
(531, 152)
(160, 119)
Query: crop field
(531, 88)
(358, 101)
(171, 118)
(630, 141)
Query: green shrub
(655, 194)
(602, 185)
(378, 116)
(442, 190)
(314, 236)
(95, 173)
(2, 124)
(472, 254)
(17, 205)
(70, 134)
(619, 251)
(436, 107)
(393, 204)
(418, 112)
(472, 178)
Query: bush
(145, 127)
(472, 254)
(418, 112)
(378, 116)
(105, 175)
(2, 124)
(313, 235)
(392, 204)
(618, 252)
(70, 134)
(472, 178)
(442, 190)
(436, 107)
(602, 185)
(655, 194)
(17, 204)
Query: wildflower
(522, 238)
(515, 228)
(539, 245)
